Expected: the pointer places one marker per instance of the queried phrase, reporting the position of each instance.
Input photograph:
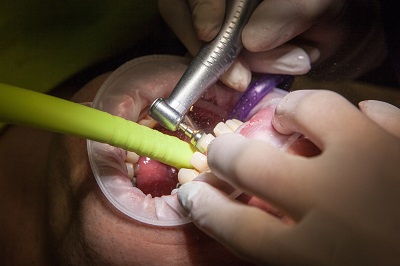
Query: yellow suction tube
(29, 108)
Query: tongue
(155, 178)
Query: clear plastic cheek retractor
(205, 69)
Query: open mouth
(128, 93)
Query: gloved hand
(341, 38)
(345, 201)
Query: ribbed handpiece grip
(149, 142)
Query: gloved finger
(318, 115)
(238, 75)
(275, 22)
(177, 15)
(208, 16)
(284, 59)
(247, 231)
(384, 114)
(282, 179)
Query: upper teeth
(234, 124)
(229, 126)
(222, 128)
(199, 160)
(204, 141)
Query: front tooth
(131, 171)
(233, 124)
(148, 122)
(204, 141)
(186, 175)
(199, 161)
(131, 157)
(222, 128)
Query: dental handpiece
(205, 69)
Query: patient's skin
(23, 154)
(79, 226)
(55, 213)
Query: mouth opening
(128, 93)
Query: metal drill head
(164, 114)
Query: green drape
(44, 42)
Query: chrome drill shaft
(206, 68)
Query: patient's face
(84, 227)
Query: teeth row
(222, 128)
(199, 160)
(131, 165)
(234, 124)
(229, 126)
(132, 170)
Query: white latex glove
(343, 38)
(345, 201)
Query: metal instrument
(205, 69)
